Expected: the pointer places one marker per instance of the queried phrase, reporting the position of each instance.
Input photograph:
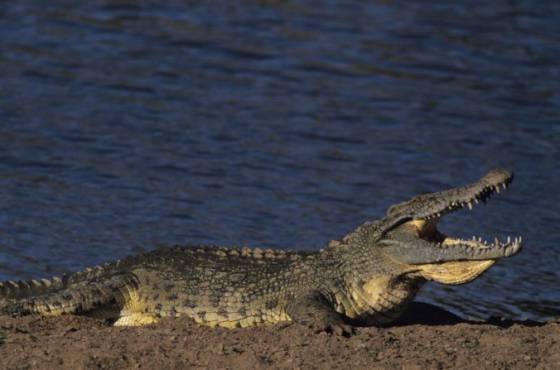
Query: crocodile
(365, 278)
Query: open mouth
(426, 218)
(415, 239)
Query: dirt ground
(426, 338)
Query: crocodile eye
(391, 210)
(395, 208)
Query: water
(127, 125)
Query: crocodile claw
(343, 330)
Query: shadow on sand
(420, 313)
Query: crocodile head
(410, 235)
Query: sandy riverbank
(431, 339)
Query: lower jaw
(449, 241)
(457, 272)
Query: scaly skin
(366, 278)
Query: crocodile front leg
(316, 312)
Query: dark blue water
(127, 125)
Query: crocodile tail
(75, 297)
(28, 288)
(25, 288)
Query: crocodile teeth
(470, 206)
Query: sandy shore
(428, 339)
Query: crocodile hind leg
(135, 312)
(314, 311)
(113, 297)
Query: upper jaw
(434, 205)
